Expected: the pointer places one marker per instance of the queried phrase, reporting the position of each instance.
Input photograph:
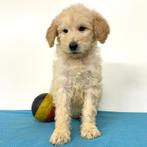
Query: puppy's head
(77, 30)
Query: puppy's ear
(52, 33)
(101, 27)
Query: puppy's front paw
(60, 136)
(89, 131)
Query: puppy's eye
(65, 30)
(82, 28)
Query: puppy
(76, 85)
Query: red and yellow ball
(43, 108)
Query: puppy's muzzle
(73, 46)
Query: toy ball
(42, 108)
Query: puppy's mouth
(75, 52)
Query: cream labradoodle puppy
(76, 85)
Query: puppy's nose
(73, 46)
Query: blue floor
(19, 129)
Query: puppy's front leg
(89, 111)
(61, 134)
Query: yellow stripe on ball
(44, 108)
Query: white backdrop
(26, 59)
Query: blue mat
(19, 129)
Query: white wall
(26, 60)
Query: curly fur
(76, 85)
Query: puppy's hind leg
(89, 111)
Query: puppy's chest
(79, 78)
